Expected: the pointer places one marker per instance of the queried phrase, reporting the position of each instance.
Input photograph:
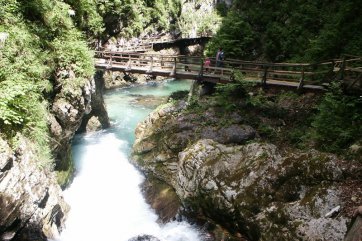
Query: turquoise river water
(105, 197)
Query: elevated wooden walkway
(316, 76)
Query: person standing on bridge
(207, 64)
(219, 57)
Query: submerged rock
(144, 237)
(149, 101)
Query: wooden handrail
(302, 74)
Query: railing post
(263, 81)
(343, 67)
(110, 62)
(201, 73)
(151, 67)
(129, 62)
(301, 81)
(173, 72)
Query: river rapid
(105, 197)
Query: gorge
(243, 162)
(105, 197)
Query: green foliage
(222, 9)
(238, 88)
(194, 21)
(107, 18)
(41, 41)
(290, 30)
(339, 121)
(75, 54)
(236, 37)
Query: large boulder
(224, 172)
(262, 192)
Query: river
(105, 197)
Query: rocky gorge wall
(31, 201)
(221, 169)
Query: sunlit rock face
(198, 18)
(31, 203)
(69, 106)
(250, 187)
(97, 117)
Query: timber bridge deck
(313, 76)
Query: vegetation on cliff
(44, 50)
(105, 19)
(330, 122)
(290, 30)
(303, 31)
(40, 42)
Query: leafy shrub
(339, 121)
(238, 88)
(289, 30)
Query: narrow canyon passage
(105, 198)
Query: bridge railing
(351, 72)
(295, 74)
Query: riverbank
(233, 160)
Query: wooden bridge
(315, 76)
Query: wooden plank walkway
(315, 76)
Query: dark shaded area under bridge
(180, 43)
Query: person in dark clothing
(219, 57)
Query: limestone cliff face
(31, 202)
(97, 118)
(198, 18)
(72, 108)
(70, 104)
(224, 172)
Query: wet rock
(115, 79)
(162, 198)
(268, 189)
(355, 232)
(149, 101)
(144, 237)
(93, 124)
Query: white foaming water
(105, 198)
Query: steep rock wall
(31, 202)
(98, 108)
